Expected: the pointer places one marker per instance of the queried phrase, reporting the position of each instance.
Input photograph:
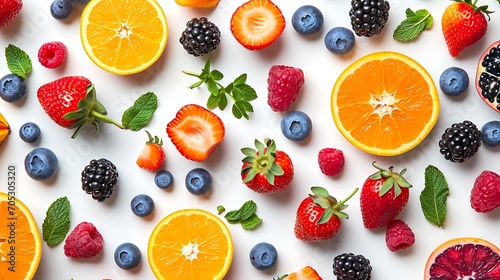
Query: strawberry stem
(340, 203)
(106, 119)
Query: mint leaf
(220, 209)
(18, 61)
(56, 224)
(137, 116)
(239, 91)
(246, 215)
(413, 25)
(433, 196)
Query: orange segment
(20, 241)
(123, 37)
(190, 244)
(385, 103)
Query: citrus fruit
(463, 258)
(4, 129)
(385, 103)
(197, 3)
(20, 241)
(122, 36)
(190, 244)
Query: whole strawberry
(9, 9)
(383, 196)
(266, 170)
(318, 216)
(485, 194)
(463, 24)
(283, 86)
(71, 103)
(152, 155)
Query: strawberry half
(196, 132)
(305, 273)
(266, 170)
(9, 9)
(257, 24)
(152, 155)
(71, 103)
(318, 216)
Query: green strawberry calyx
(332, 207)
(261, 160)
(89, 112)
(392, 180)
(154, 140)
(482, 8)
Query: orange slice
(385, 103)
(197, 3)
(190, 244)
(20, 241)
(4, 129)
(122, 36)
(464, 258)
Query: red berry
(83, 242)
(398, 235)
(331, 161)
(485, 194)
(9, 9)
(52, 54)
(284, 84)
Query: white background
(118, 224)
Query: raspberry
(485, 194)
(331, 161)
(52, 54)
(398, 235)
(284, 84)
(83, 242)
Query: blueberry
(307, 20)
(296, 126)
(490, 133)
(127, 255)
(29, 132)
(142, 205)
(164, 179)
(198, 181)
(263, 255)
(41, 164)
(12, 88)
(454, 81)
(339, 40)
(61, 9)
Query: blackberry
(200, 37)
(368, 17)
(349, 266)
(460, 141)
(99, 179)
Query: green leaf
(18, 61)
(212, 87)
(216, 75)
(213, 101)
(244, 92)
(56, 224)
(246, 210)
(252, 222)
(137, 116)
(240, 80)
(222, 102)
(413, 25)
(237, 113)
(433, 196)
(220, 209)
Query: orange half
(123, 37)
(20, 241)
(190, 244)
(385, 103)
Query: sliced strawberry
(305, 273)
(257, 24)
(152, 155)
(196, 132)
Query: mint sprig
(137, 116)
(238, 91)
(413, 25)
(246, 215)
(18, 61)
(433, 196)
(56, 224)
